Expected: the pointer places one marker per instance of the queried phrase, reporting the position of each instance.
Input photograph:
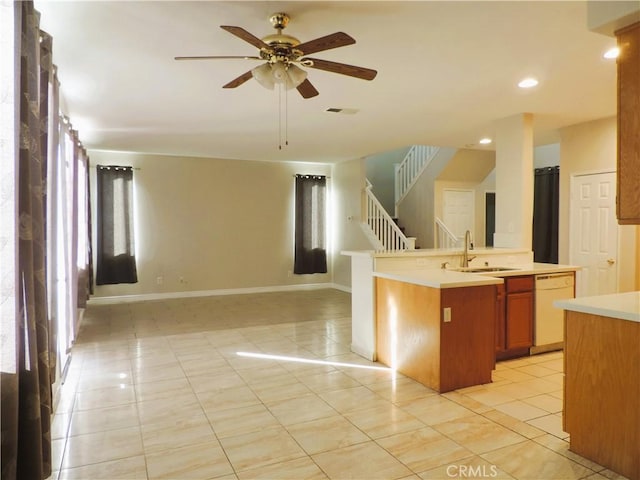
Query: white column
(514, 181)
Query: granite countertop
(623, 306)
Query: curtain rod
(309, 175)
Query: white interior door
(593, 234)
(458, 211)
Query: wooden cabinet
(442, 351)
(601, 390)
(628, 177)
(514, 317)
(501, 325)
(519, 315)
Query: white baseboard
(342, 288)
(207, 293)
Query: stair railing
(445, 238)
(417, 159)
(382, 225)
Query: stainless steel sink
(484, 269)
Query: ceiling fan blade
(335, 40)
(236, 82)
(246, 36)
(306, 89)
(215, 57)
(342, 68)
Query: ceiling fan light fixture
(264, 76)
(279, 72)
(296, 76)
(270, 74)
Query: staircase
(445, 237)
(381, 229)
(417, 159)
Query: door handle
(611, 261)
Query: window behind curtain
(310, 233)
(116, 261)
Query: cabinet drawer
(519, 284)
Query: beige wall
(469, 166)
(380, 171)
(591, 148)
(348, 183)
(217, 224)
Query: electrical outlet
(181, 280)
(159, 280)
(446, 314)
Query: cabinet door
(519, 320)
(629, 125)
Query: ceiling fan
(283, 53)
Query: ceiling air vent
(346, 111)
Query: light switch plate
(446, 313)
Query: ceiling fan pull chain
(286, 117)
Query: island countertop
(623, 306)
(432, 252)
(456, 277)
(439, 278)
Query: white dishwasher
(548, 330)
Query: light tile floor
(157, 390)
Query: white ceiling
(446, 72)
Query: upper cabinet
(628, 204)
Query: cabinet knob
(611, 261)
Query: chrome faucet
(468, 245)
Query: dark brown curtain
(546, 198)
(310, 233)
(26, 394)
(116, 262)
(46, 79)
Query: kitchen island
(437, 327)
(365, 262)
(602, 380)
(427, 263)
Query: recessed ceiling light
(528, 83)
(612, 53)
(485, 141)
